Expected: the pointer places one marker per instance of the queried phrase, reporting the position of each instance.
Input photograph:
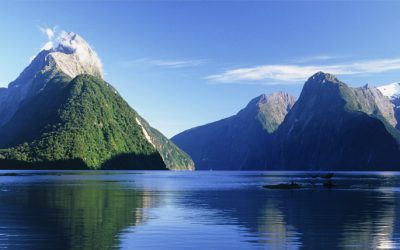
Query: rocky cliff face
(272, 109)
(74, 56)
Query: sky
(182, 64)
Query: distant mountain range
(330, 127)
(60, 114)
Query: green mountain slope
(78, 124)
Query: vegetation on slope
(85, 123)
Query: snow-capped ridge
(391, 90)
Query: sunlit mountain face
(61, 114)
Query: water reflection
(197, 211)
(376, 230)
(69, 215)
(274, 231)
(309, 219)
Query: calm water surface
(196, 210)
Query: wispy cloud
(316, 58)
(50, 34)
(163, 63)
(292, 73)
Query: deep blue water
(197, 210)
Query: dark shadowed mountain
(335, 127)
(330, 127)
(238, 142)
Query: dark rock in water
(291, 185)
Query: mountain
(392, 91)
(335, 127)
(330, 127)
(71, 56)
(62, 114)
(237, 142)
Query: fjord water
(196, 210)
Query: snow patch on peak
(391, 90)
(72, 54)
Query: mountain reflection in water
(198, 210)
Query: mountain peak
(73, 55)
(322, 81)
(322, 77)
(66, 53)
(270, 109)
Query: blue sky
(183, 64)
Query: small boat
(291, 185)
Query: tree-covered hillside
(77, 124)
